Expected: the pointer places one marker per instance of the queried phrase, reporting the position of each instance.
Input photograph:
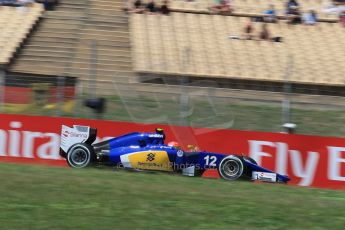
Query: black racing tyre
(231, 168)
(80, 156)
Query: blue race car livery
(148, 151)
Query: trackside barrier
(309, 160)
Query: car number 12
(210, 160)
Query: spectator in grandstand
(342, 18)
(137, 7)
(165, 8)
(270, 14)
(151, 7)
(138, 4)
(221, 7)
(8, 3)
(248, 30)
(291, 5)
(264, 33)
(294, 16)
(49, 4)
(26, 2)
(24, 5)
(310, 18)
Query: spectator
(24, 5)
(8, 3)
(137, 4)
(270, 14)
(342, 18)
(294, 16)
(291, 5)
(151, 7)
(49, 4)
(165, 8)
(221, 7)
(264, 33)
(310, 18)
(248, 30)
(26, 2)
(138, 7)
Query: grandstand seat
(15, 24)
(199, 45)
(63, 42)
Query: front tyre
(231, 168)
(80, 156)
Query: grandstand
(199, 45)
(14, 31)
(96, 40)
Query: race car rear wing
(74, 135)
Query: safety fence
(196, 104)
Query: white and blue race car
(148, 151)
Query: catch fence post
(2, 90)
(184, 80)
(286, 103)
(61, 85)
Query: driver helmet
(159, 130)
(174, 144)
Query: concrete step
(64, 70)
(62, 42)
(115, 41)
(117, 55)
(115, 61)
(76, 65)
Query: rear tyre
(231, 168)
(80, 156)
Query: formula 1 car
(148, 151)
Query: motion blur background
(188, 67)
(185, 63)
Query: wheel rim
(231, 168)
(79, 157)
